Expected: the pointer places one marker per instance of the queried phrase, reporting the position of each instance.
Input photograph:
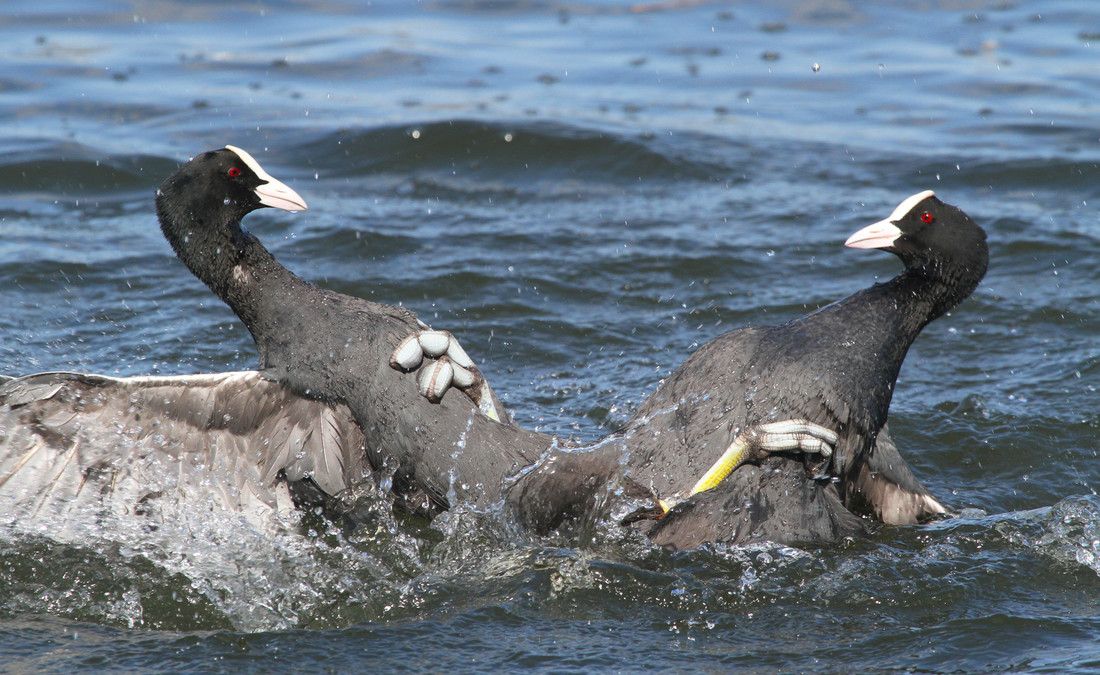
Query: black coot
(325, 404)
(835, 367)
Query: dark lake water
(584, 192)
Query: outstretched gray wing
(69, 439)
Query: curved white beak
(884, 233)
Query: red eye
(234, 172)
(926, 217)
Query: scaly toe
(463, 378)
(408, 355)
(434, 379)
(459, 355)
(434, 342)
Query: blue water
(584, 192)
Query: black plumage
(323, 357)
(327, 407)
(836, 367)
(332, 347)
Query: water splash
(1073, 531)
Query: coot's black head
(221, 187)
(933, 239)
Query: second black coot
(836, 367)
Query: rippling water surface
(584, 192)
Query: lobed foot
(447, 365)
(788, 435)
(758, 441)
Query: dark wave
(1040, 173)
(65, 170)
(502, 153)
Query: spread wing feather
(68, 438)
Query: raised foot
(788, 435)
(447, 365)
(758, 441)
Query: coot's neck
(240, 271)
(886, 318)
(871, 331)
(927, 290)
